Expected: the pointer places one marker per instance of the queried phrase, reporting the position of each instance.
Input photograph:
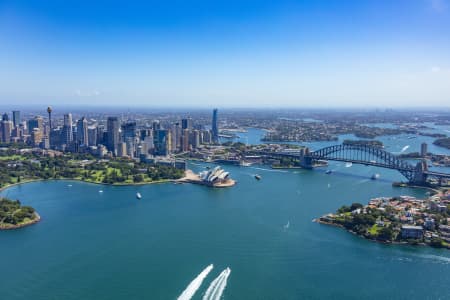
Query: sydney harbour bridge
(369, 155)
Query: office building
(16, 118)
(112, 127)
(92, 135)
(82, 132)
(423, 149)
(6, 128)
(67, 131)
(215, 127)
(162, 142)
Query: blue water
(109, 245)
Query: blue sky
(322, 53)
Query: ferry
(138, 195)
(257, 177)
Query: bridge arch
(366, 155)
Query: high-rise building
(206, 137)
(56, 138)
(36, 137)
(112, 127)
(186, 123)
(162, 142)
(176, 136)
(92, 135)
(37, 122)
(215, 127)
(16, 118)
(185, 140)
(6, 128)
(423, 149)
(5, 117)
(194, 138)
(129, 131)
(67, 130)
(82, 132)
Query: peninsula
(402, 219)
(13, 215)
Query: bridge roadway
(366, 155)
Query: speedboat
(375, 176)
(328, 172)
(138, 195)
(257, 177)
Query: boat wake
(404, 149)
(217, 286)
(269, 170)
(195, 284)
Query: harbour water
(109, 245)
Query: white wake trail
(216, 288)
(195, 284)
(404, 149)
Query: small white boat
(348, 165)
(100, 191)
(138, 195)
(375, 176)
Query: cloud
(438, 5)
(92, 93)
(435, 69)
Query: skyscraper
(186, 123)
(92, 135)
(16, 118)
(162, 142)
(5, 117)
(82, 132)
(6, 127)
(67, 131)
(112, 127)
(37, 122)
(215, 127)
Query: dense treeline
(15, 168)
(444, 142)
(12, 213)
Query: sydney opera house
(216, 177)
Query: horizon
(321, 54)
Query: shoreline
(317, 220)
(98, 183)
(31, 222)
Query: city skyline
(233, 54)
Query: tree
(138, 178)
(385, 234)
(355, 206)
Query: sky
(321, 53)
